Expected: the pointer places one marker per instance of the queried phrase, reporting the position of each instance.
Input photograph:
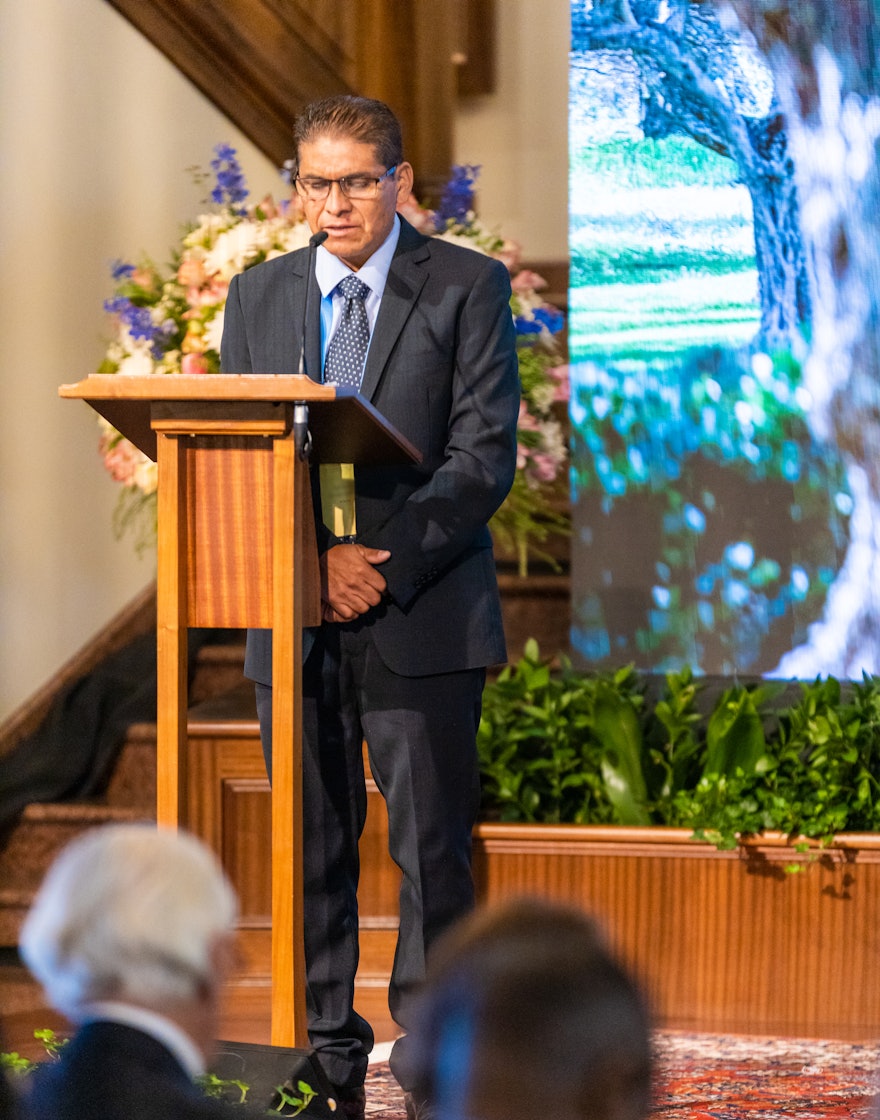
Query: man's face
(355, 227)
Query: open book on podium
(237, 549)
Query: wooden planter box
(722, 941)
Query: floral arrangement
(170, 321)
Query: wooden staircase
(229, 808)
(43, 829)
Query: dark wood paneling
(258, 61)
(476, 44)
(261, 61)
(229, 807)
(723, 941)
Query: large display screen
(716, 518)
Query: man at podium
(411, 609)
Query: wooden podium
(236, 549)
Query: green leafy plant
(539, 753)
(13, 1062)
(295, 1100)
(299, 1103)
(560, 746)
(223, 1088)
(290, 1100)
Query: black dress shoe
(417, 1109)
(351, 1101)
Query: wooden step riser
(41, 833)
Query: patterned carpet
(713, 1077)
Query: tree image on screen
(723, 319)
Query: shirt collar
(329, 270)
(163, 1030)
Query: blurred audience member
(526, 1015)
(9, 1109)
(131, 936)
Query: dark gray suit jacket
(442, 369)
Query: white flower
(137, 359)
(235, 248)
(461, 239)
(146, 476)
(208, 229)
(214, 331)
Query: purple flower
(231, 189)
(137, 319)
(551, 317)
(542, 318)
(458, 196)
(121, 270)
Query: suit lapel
(286, 354)
(406, 277)
(308, 292)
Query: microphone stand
(302, 437)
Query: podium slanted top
(345, 427)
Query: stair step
(132, 784)
(219, 667)
(32, 844)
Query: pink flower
(268, 208)
(510, 253)
(216, 291)
(416, 215)
(193, 364)
(120, 458)
(528, 281)
(562, 388)
(144, 278)
(525, 420)
(191, 273)
(543, 466)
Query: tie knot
(352, 288)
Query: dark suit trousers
(420, 734)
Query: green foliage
(221, 1088)
(12, 1062)
(642, 262)
(52, 1043)
(298, 1103)
(558, 746)
(673, 161)
(290, 1102)
(540, 755)
(136, 513)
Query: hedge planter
(731, 941)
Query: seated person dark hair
(525, 1015)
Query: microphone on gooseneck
(301, 435)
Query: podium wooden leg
(290, 494)
(171, 634)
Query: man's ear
(404, 177)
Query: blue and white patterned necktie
(347, 351)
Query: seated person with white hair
(131, 936)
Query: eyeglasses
(352, 186)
